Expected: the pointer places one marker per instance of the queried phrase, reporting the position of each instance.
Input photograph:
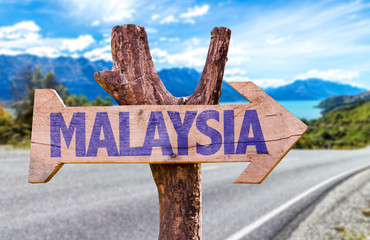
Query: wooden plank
(261, 133)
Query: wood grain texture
(279, 127)
(133, 80)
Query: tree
(6, 124)
(17, 129)
(99, 101)
(21, 82)
(24, 85)
(74, 101)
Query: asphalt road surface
(120, 201)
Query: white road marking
(259, 222)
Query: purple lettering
(251, 121)
(156, 121)
(124, 137)
(213, 134)
(58, 124)
(229, 132)
(102, 122)
(182, 129)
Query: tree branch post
(133, 80)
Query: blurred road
(120, 201)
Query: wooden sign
(261, 133)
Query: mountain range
(312, 89)
(78, 75)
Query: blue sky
(272, 42)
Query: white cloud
(99, 53)
(169, 19)
(192, 57)
(107, 11)
(269, 82)
(78, 44)
(158, 53)
(236, 74)
(24, 37)
(192, 53)
(151, 30)
(105, 40)
(176, 39)
(189, 20)
(236, 78)
(164, 39)
(295, 38)
(195, 12)
(187, 17)
(273, 41)
(155, 17)
(261, 82)
(95, 23)
(238, 59)
(24, 29)
(238, 55)
(44, 51)
(234, 71)
(9, 52)
(192, 42)
(117, 17)
(331, 74)
(75, 55)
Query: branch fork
(133, 80)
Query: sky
(272, 42)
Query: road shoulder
(339, 214)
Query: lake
(301, 109)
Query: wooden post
(133, 80)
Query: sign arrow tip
(280, 139)
(42, 171)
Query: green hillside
(337, 103)
(348, 127)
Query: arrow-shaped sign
(261, 133)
